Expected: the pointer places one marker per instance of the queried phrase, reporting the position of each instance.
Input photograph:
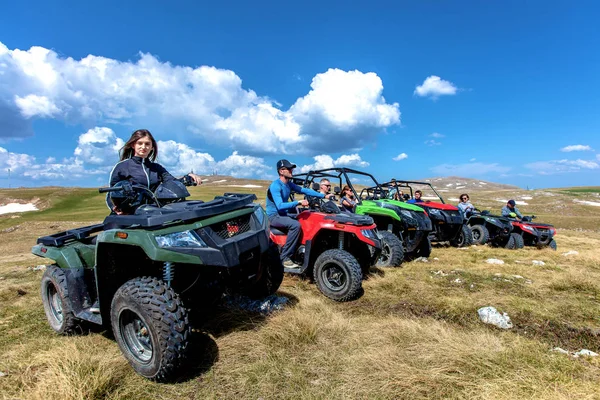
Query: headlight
(435, 211)
(180, 239)
(406, 213)
(369, 233)
(529, 228)
(260, 215)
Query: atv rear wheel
(151, 327)
(515, 241)
(57, 306)
(271, 275)
(392, 250)
(338, 275)
(480, 234)
(465, 237)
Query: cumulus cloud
(437, 135)
(432, 142)
(97, 152)
(343, 108)
(469, 169)
(562, 166)
(324, 161)
(576, 147)
(434, 87)
(401, 156)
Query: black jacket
(139, 171)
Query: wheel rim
(55, 302)
(136, 336)
(334, 277)
(476, 234)
(461, 239)
(385, 254)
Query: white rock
(570, 253)
(436, 259)
(494, 261)
(559, 350)
(517, 277)
(422, 259)
(39, 268)
(490, 315)
(585, 352)
(538, 262)
(457, 280)
(2, 374)
(440, 273)
(463, 248)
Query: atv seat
(277, 232)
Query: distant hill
(458, 183)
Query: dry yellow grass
(414, 334)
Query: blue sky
(503, 91)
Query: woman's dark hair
(127, 151)
(464, 195)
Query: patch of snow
(570, 253)
(559, 350)
(494, 261)
(490, 315)
(588, 203)
(482, 183)
(430, 198)
(517, 202)
(460, 187)
(449, 184)
(222, 180)
(443, 190)
(16, 207)
(245, 186)
(527, 197)
(585, 352)
(453, 199)
(538, 262)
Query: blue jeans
(292, 227)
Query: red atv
(534, 234)
(336, 248)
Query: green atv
(394, 219)
(145, 274)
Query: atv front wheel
(465, 237)
(338, 275)
(271, 275)
(480, 234)
(57, 306)
(151, 327)
(553, 245)
(392, 251)
(515, 241)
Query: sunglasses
(326, 185)
(464, 198)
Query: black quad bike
(336, 248)
(144, 274)
(447, 220)
(493, 229)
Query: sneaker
(287, 263)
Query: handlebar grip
(109, 189)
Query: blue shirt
(280, 192)
(413, 201)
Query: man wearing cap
(278, 207)
(510, 208)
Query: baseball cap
(285, 164)
(511, 202)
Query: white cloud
(401, 156)
(324, 161)
(469, 169)
(97, 152)
(432, 142)
(437, 135)
(473, 159)
(344, 108)
(33, 105)
(598, 157)
(576, 147)
(435, 87)
(561, 166)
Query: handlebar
(110, 189)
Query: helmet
(285, 164)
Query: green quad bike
(145, 274)
(407, 223)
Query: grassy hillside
(414, 333)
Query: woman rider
(138, 165)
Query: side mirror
(316, 186)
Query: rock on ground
(538, 262)
(490, 315)
(494, 261)
(570, 253)
(585, 352)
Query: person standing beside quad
(138, 166)
(278, 208)
(509, 209)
